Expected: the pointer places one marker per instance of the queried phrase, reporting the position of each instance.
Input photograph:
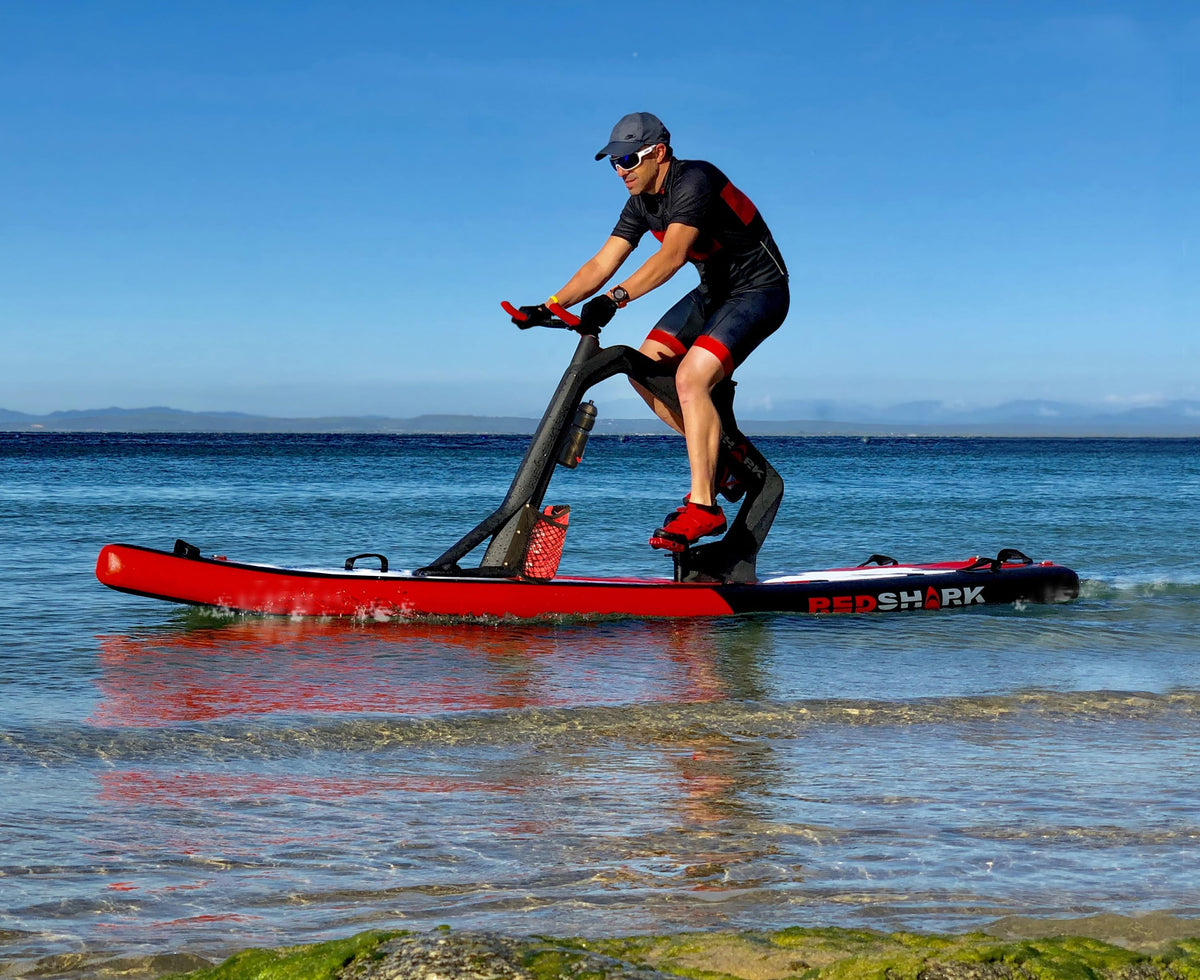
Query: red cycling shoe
(687, 525)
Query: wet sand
(1092, 948)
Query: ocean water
(177, 780)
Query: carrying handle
(997, 563)
(383, 562)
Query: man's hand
(596, 313)
(534, 316)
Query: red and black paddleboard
(187, 577)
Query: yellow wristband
(552, 299)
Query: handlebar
(564, 318)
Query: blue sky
(315, 208)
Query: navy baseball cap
(634, 131)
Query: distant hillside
(175, 420)
(1016, 418)
(1177, 417)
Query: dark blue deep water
(174, 780)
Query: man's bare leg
(659, 352)
(697, 421)
(698, 374)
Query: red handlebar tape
(513, 311)
(570, 319)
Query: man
(698, 216)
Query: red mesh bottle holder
(546, 542)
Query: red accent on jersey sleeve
(742, 206)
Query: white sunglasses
(631, 161)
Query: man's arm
(664, 263)
(661, 266)
(595, 272)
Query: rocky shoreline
(1104, 947)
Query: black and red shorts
(730, 329)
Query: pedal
(666, 541)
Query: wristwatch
(620, 294)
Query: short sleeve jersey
(735, 250)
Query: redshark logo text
(931, 598)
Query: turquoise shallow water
(175, 780)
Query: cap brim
(619, 149)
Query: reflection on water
(313, 776)
(255, 667)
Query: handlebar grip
(567, 317)
(513, 311)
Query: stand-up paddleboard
(522, 542)
(185, 576)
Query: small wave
(1100, 836)
(670, 723)
(1150, 585)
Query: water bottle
(577, 436)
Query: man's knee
(698, 374)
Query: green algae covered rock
(805, 954)
(319, 961)
(844, 954)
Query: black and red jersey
(735, 250)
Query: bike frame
(730, 559)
